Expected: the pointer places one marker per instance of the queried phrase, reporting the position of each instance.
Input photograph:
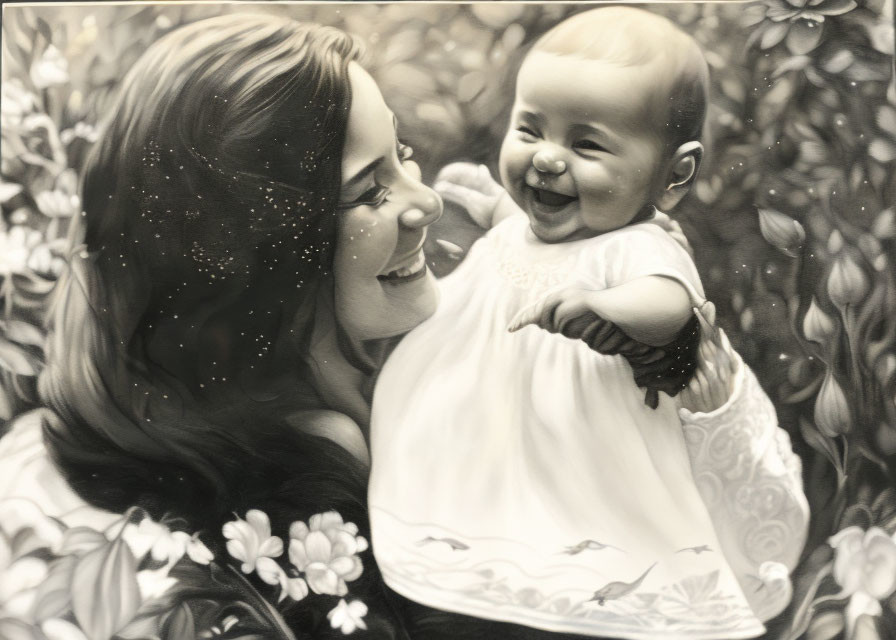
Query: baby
(519, 475)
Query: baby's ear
(681, 174)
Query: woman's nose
(546, 161)
(424, 206)
(426, 210)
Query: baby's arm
(649, 309)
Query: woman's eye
(404, 151)
(373, 197)
(526, 131)
(588, 145)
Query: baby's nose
(545, 161)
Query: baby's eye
(526, 131)
(373, 197)
(588, 145)
(404, 151)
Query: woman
(252, 240)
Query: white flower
(154, 584)
(271, 572)
(50, 69)
(348, 616)
(156, 539)
(326, 552)
(57, 203)
(81, 130)
(59, 629)
(198, 552)
(19, 579)
(251, 539)
(16, 102)
(15, 248)
(865, 567)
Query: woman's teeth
(414, 265)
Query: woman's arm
(747, 473)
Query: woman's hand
(713, 380)
(472, 187)
(570, 313)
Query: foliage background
(792, 219)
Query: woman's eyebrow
(362, 174)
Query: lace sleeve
(751, 482)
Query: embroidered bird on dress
(456, 545)
(697, 550)
(616, 590)
(591, 545)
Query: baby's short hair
(633, 37)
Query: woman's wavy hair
(204, 247)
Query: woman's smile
(408, 268)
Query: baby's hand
(472, 187)
(557, 311)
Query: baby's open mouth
(550, 198)
(410, 269)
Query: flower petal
(238, 550)
(355, 572)
(268, 570)
(298, 530)
(773, 34)
(272, 547)
(297, 588)
(260, 522)
(318, 547)
(322, 579)
(880, 564)
(342, 565)
(836, 7)
(804, 36)
(297, 554)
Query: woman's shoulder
(334, 426)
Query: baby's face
(584, 152)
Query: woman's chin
(409, 303)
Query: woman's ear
(682, 172)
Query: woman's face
(383, 287)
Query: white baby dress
(521, 477)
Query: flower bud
(832, 413)
(782, 232)
(835, 241)
(847, 282)
(817, 325)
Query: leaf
(825, 626)
(23, 332)
(882, 150)
(44, 29)
(7, 405)
(105, 594)
(795, 63)
(838, 62)
(15, 359)
(54, 597)
(822, 444)
(470, 86)
(12, 629)
(180, 623)
(9, 190)
(804, 36)
(886, 119)
(78, 540)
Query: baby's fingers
(534, 314)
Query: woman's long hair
(209, 224)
